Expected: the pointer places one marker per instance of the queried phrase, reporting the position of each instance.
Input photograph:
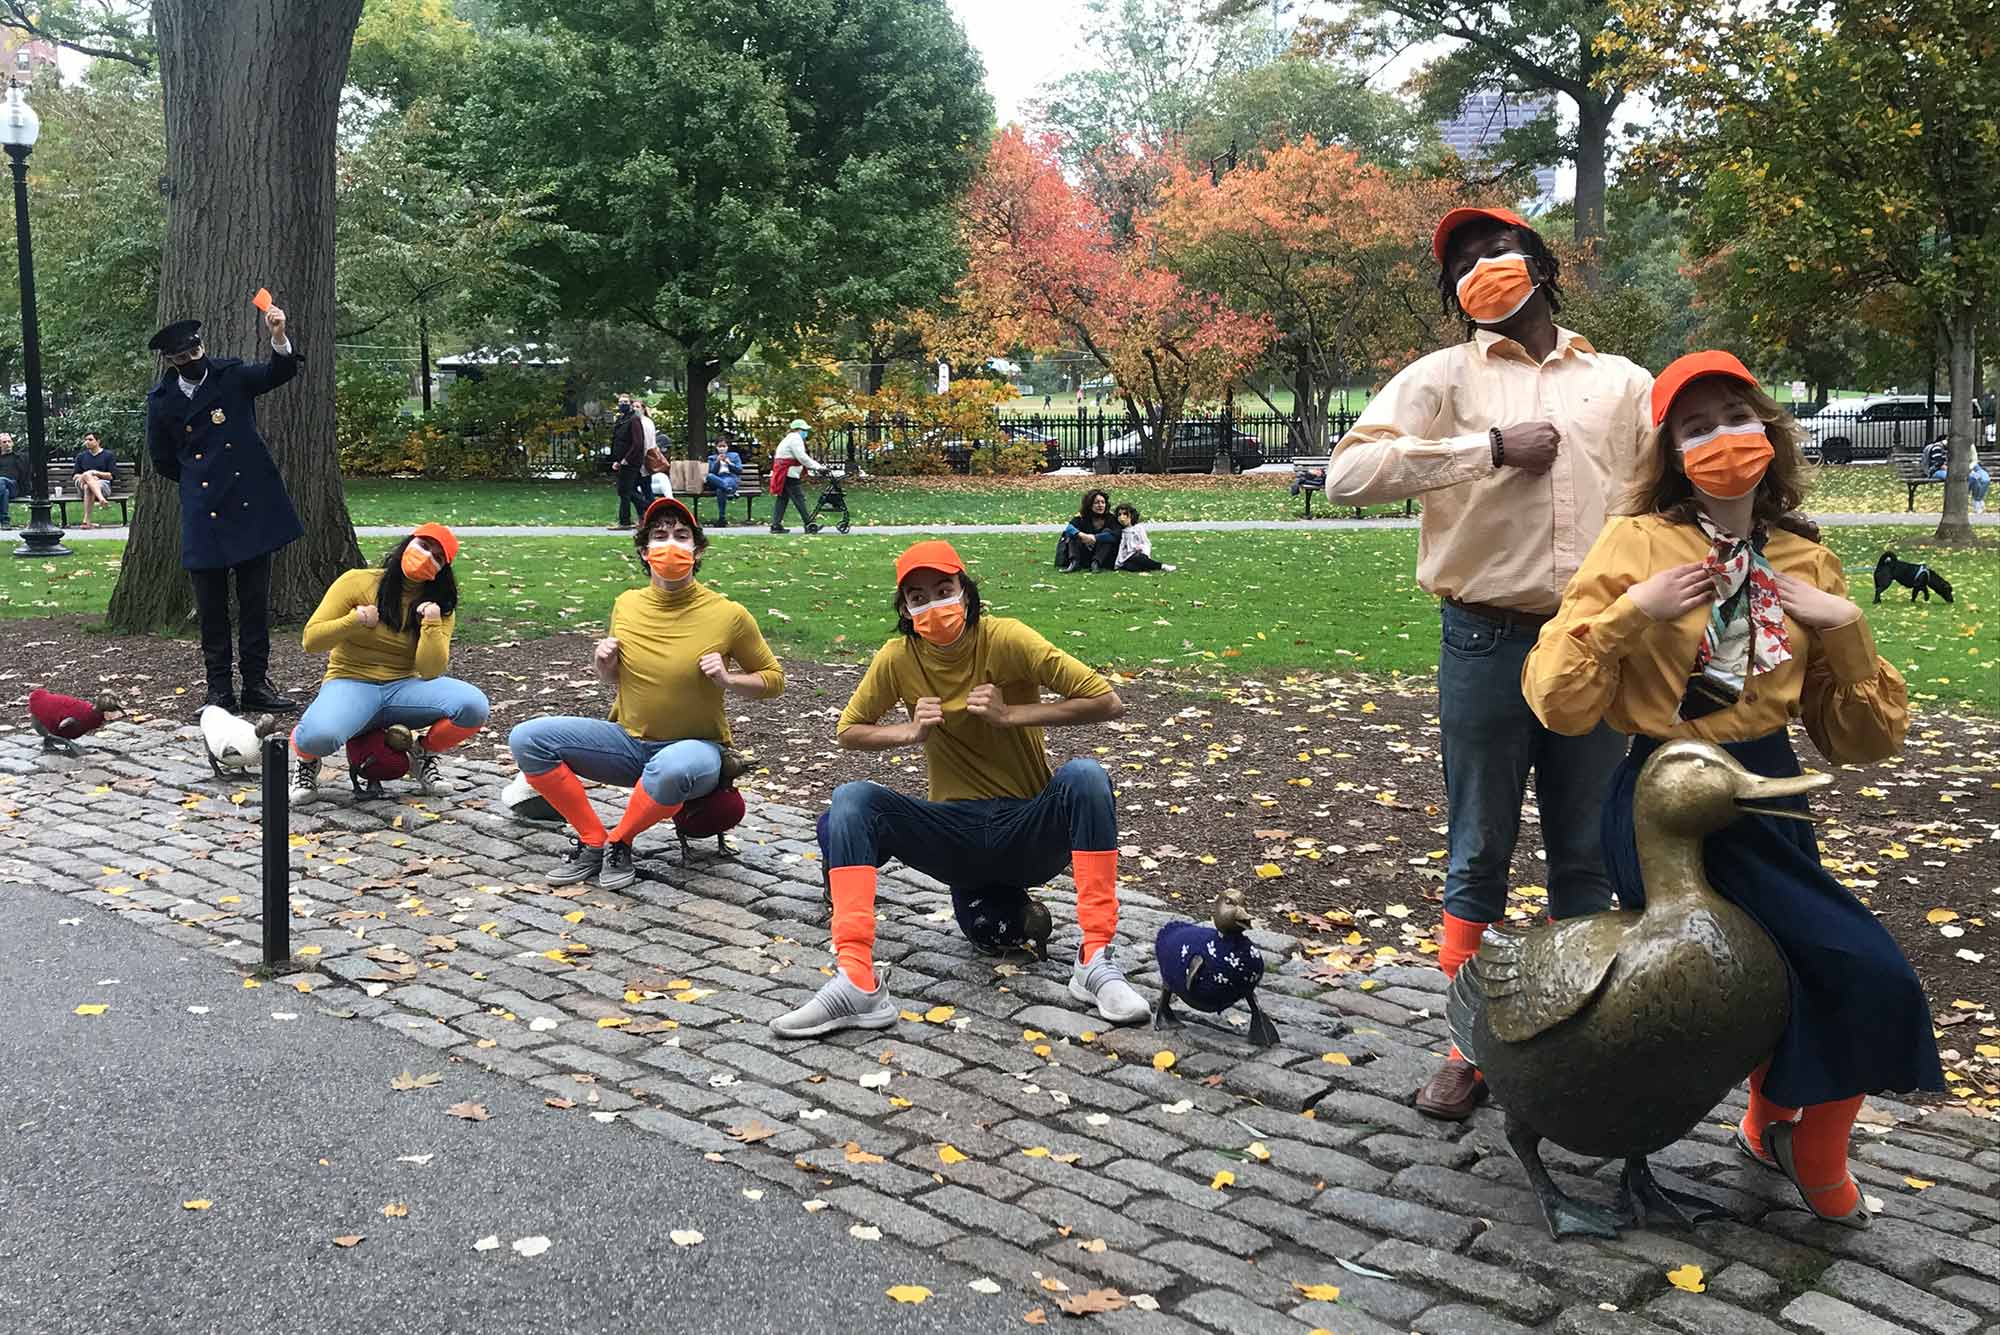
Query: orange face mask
(941, 622)
(670, 560)
(1495, 289)
(418, 564)
(1728, 462)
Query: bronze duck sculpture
(1613, 1034)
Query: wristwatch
(1499, 447)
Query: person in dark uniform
(201, 431)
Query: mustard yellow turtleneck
(662, 694)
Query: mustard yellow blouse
(1602, 659)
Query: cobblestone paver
(1077, 1156)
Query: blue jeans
(1976, 482)
(345, 708)
(603, 752)
(6, 496)
(988, 850)
(1491, 740)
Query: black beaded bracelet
(1499, 447)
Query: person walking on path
(387, 634)
(14, 482)
(201, 432)
(628, 460)
(725, 475)
(1707, 613)
(997, 820)
(668, 655)
(1516, 438)
(96, 469)
(788, 465)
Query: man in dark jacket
(13, 478)
(201, 431)
(628, 460)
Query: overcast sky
(1025, 43)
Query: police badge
(215, 416)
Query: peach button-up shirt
(1503, 536)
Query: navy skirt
(1859, 1023)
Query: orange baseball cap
(1457, 218)
(442, 536)
(1684, 370)
(674, 504)
(935, 554)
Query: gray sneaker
(617, 871)
(1099, 981)
(839, 1004)
(580, 864)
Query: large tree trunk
(252, 95)
(1593, 140)
(1962, 340)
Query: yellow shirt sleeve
(877, 694)
(1041, 662)
(433, 646)
(1572, 674)
(1395, 450)
(333, 620)
(752, 654)
(1855, 706)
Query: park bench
(1309, 480)
(124, 482)
(1909, 466)
(690, 479)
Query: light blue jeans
(603, 752)
(1977, 482)
(345, 708)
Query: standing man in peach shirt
(1516, 439)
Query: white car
(1874, 427)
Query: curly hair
(1663, 488)
(1542, 262)
(642, 536)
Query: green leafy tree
(1301, 96)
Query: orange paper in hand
(262, 301)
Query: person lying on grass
(997, 820)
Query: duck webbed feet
(1642, 1200)
(1566, 1216)
(1164, 1014)
(1262, 1032)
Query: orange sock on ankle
(444, 734)
(854, 923)
(565, 793)
(1762, 1113)
(642, 813)
(1461, 943)
(1095, 872)
(1819, 1152)
(295, 747)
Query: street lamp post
(19, 128)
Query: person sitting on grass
(96, 470)
(997, 821)
(1135, 545)
(387, 632)
(1092, 537)
(668, 656)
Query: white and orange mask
(1496, 288)
(941, 622)
(419, 566)
(671, 561)
(1728, 462)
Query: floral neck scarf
(1745, 635)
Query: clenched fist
(1530, 446)
(714, 668)
(986, 702)
(605, 655)
(927, 715)
(430, 611)
(366, 615)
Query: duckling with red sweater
(61, 719)
(1212, 967)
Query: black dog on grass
(1916, 578)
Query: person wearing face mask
(668, 656)
(997, 820)
(201, 432)
(1706, 611)
(1515, 439)
(387, 634)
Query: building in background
(1485, 116)
(24, 54)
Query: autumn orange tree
(1045, 270)
(1332, 250)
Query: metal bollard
(277, 854)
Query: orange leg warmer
(1461, 943)
(1095, 872)
(642, 813)
(444, 734)
(295, 748)
(854, 923)
(1762, 1112)
(565, 793)
(1819, 1152)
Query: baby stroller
(831, 500)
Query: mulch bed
(1318, 795)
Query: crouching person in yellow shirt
(997, 820)
(668, 654)
(388, 635)
(1707, 612)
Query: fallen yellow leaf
(196, 1205)
(1037, 1152)
(1336, 1059)
(91, 1008)
(1225, 1178)
(1919, 1184)
(1319, 1293)
(1267, 870)
(614, 1021)
(1163, 1060)
(251, 982)
(573, 917)
(908, 1293)
(1256, 1150)
(951, 1154)
(1936, 916)
(938, 1015)
(1686, 1278)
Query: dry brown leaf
(855, 1154)
(349, 1240)
(387, 955)
(471, 1112)
(1097, 1300)
(1037, 1318)
(395, 1210)
(441, 943)
(405, 1081)
(559, 1103)
(751, 1134)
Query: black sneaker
(305, 782)
(776, 529)
(617, 871)
(579, 864)
(426, 773)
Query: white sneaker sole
(1089, 998)
(869, 1020)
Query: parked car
(1874, 427)
(1191, 448)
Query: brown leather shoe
(1453, 1092)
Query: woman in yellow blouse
(387, 632)
(668, 655)
(1708, 611)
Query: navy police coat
(234, 506)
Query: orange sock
(444, 734)
(1819, 1152)
(565, 793)
(1762, 1113)
(854, 923)
(1095, 872)
(1461, 943)
(642, 813)
(295, 747)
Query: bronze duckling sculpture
(1212, 968)
(1613, 1034)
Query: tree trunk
(1962, 348)
(252, 95)
(424, 356)
(1593, 140)
(876, 368)
(699, 369)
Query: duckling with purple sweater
(1212, 967)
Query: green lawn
(1240, 601)
(1044, 500)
